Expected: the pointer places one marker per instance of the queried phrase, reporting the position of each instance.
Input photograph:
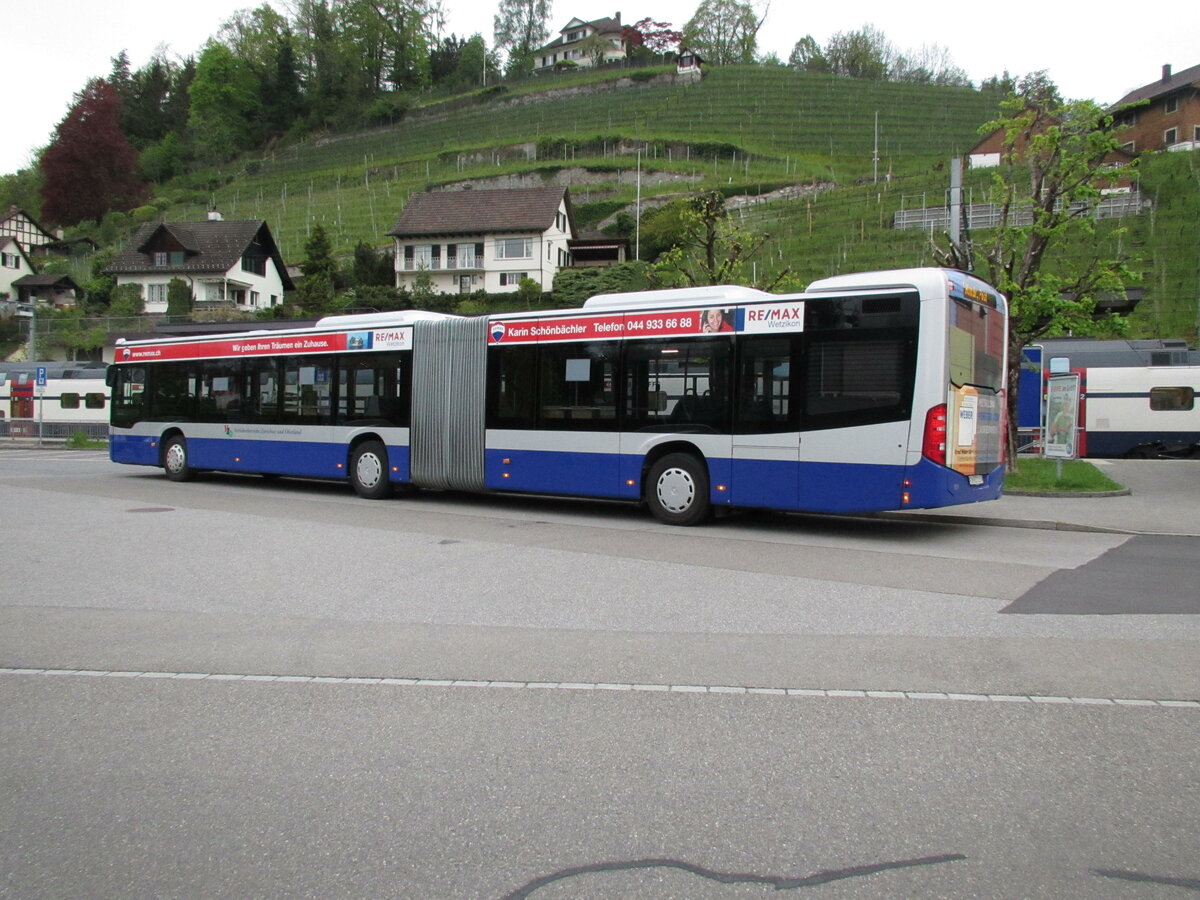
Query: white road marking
(953, 697)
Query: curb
(1069, 495)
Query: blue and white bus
(867, 392)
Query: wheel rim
(676, 490)
(176, 458)
(368, 470)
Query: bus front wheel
(175, 459)
(677, 490)
(369, 470)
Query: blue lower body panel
(309, 459)
(796, 487)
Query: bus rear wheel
(369, 470)
(175, 459)
(677, 490)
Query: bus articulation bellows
(867, 392)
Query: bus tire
(677, 490)
(175, 459)
(369, 470)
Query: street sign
(40, 381)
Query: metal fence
(987, 215)
(23, 431)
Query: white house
(484, 240)
(572, 44)
(17, 223)
(14, 264)
(235, 264)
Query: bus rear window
(976, 345)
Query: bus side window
(764, 389)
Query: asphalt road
(238, 687)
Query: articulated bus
(867, 392)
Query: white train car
(1145, 412)
(76, 399)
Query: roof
(606, 25)
(46, 281)
(14, 211)
(211, 247)
(482, 212)
(1162, 86)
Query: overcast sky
(1101, 58)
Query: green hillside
(751, 127)
(745, 130)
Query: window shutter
(479, 254)
(408, 252)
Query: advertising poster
(1062, 416)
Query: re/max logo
(777, 314)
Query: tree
(226, 113)
(315, 293)
(180, 299)
(724, 32)
(646, 36)
(866, 53)
(69, 328)
(1044, 255)
(806, 56)
(89, 167)
(519, 28)
(126, 301)
(712, 249)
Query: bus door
(681, 387)
(766, 439)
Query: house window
(10, 260)
(422, 256)
(156, 293)
(160, 258)
(1196, 132)
(255, 264)
(512, 279)
(168, 258)
(1172, 104)
(466, 256)
(254, 298)
(514, 248)
(1171, 136)
(1129, 147)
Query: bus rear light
(905, 497)
(721, 488)
(631, 482)
(933, 447)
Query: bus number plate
(975, 480)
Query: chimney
(617, 17)
(214, 215)
(1166, 73)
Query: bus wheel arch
(368, 468)
(174, 456)
(675, 484)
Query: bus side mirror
(110, 376)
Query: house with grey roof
(583, 43)
(59, 291)
(1162, 115)
(227, 264)
(472, 240)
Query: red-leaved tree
(89, 167)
